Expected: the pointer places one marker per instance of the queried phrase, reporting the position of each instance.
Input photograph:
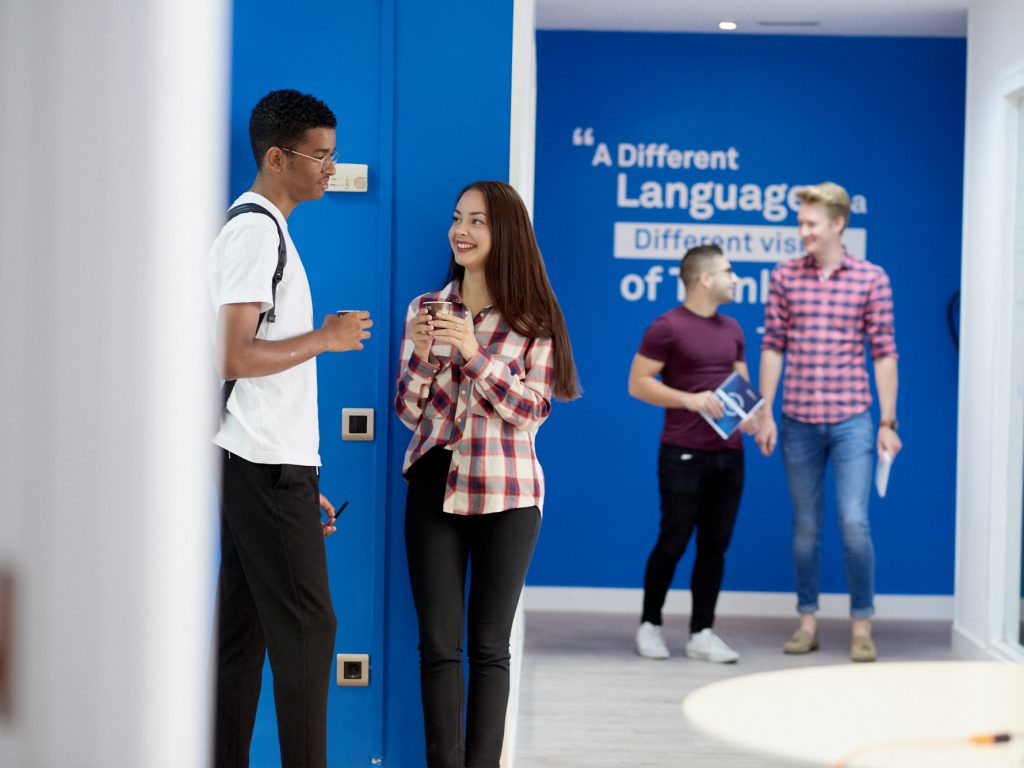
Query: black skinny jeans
(440, 547)
(699, 489)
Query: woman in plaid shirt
(474, 385)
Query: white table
(819, 715)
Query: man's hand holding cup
(346, 329)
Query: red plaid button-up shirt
(821, 325)
(485, 410)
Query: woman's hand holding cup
(420, 330)
(457, 331)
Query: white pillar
(522, 143)
(113, 123)
(990, 448)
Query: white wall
(112, 128)
(991, 382)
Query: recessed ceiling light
(727, 26)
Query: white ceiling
(926, 18)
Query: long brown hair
(517, 280)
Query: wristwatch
(890, 423)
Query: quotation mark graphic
(583, 137)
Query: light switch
(349, 177)
(357, 423)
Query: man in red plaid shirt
(820, 310)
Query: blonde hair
(831, 195)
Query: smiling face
(470, 232)
(819, 232)
(722, 280)
(304, 178)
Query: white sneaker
(650, 643)
(708, 646)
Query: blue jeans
(805, 449)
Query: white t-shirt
(270, 419)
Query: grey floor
(588, 701)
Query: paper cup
(436, 308)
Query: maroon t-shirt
(698, 353)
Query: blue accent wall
(882, 116)
(426, 104)
(451, 123)
(346, 257)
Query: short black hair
(696, 261)
(281, 119)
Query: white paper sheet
(882, 470)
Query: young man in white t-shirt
(273, 593)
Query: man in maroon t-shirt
(685, 354)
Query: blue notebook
(740, 400)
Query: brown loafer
(862, 648)
(802, 641)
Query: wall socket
(353, 669)
(357, 423)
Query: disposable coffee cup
(436, 308)
(440, 349)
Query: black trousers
(440, 546)
(699, 489)
(273, 598)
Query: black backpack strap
(282, 254)
(225, 392)
(282, 259)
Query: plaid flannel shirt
(485, 410)
(820, 325)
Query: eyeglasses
(331, 159)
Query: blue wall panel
(340, 244)
(884, 117)
(452, 116)
(425, 103)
